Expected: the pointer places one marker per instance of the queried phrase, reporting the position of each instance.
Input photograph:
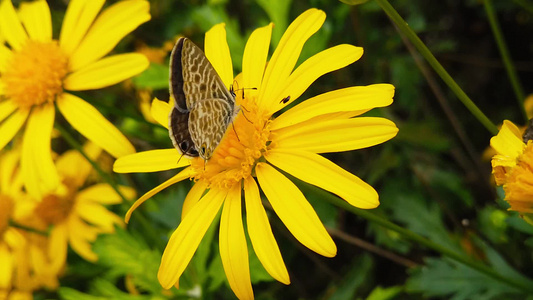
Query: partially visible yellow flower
(77, 216)
(36, 70)
(512, 167)
(258, 144)
(24, 265)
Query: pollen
(244, 144)
(519, 186)
(6, 211)
(35, 73)
(56, 207)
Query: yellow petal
(150, 161)
(103, 193)
(5, 56)
(72, 164)
(194, 195)
(217, 52)
(263, 241)
(294, 211)
(186, 173)
(37, 20)
(317, 170)
(80, 234)
(10, 25)
(98, 215)
(310, 70)
(7, 263)
(255, 57)
(11, 126)
(233, 248)
(286, 54)
(95, 127)
(160, 111)
(57, 247)
(6, 108)
(108, 29)
(186, 238)
(336, 135)
(106, 72)
(9, 161)
(356, 98)
(79, 16)
(508, 141)
(37, 166)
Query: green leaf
(380, 293)
(278, 12)
(354, 2)
(155, 77)
(354, 279)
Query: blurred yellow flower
(512, 166)
(35, 71)
(77, 216)
(25, 266)
(256, 144)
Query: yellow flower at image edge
(36, 70)
(512, 167)
(258, 145)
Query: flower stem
(27, 228)
(426, 53)
(420, 239)
(506, 57)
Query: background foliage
(432, 178)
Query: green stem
(27, 228)
(420, 239)
(506, 57)
(426, 53)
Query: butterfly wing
(178, 130)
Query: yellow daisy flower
(36, 70)
(257, 145)
(77, 215)
(25, 265)
(512, 166)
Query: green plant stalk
(525, 5)
(506, 57)
(27, 228)
(420, 239)
(426, 53)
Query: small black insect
(285, 100)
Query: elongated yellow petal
(103, 193)
(78, 18)
(186, 173)
(255, 57)
(106, 72)
(11, 126)
(6, 108)
(217, 52)
(5, 56)
(150, 161)
(98, 215)
(186, 238)
(508, 141)
(310, 70)
(10, 25)
(317, 170)
(233, 248)
(6, 272)
(294, 210)
(356, 98)
(160, 111)
(263, 241)
(336, 135)
(37, 166)
(108, 29)
(37, 19)
(95, 127)
(194, 195)
(9, 162)
(80, 235)
(286, 54)
(57, 246)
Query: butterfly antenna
(181, 157)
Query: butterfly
(203, 107)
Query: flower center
(56, 207)
(6, 211)
(35, 73)
(244, 143)
(519, 186)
